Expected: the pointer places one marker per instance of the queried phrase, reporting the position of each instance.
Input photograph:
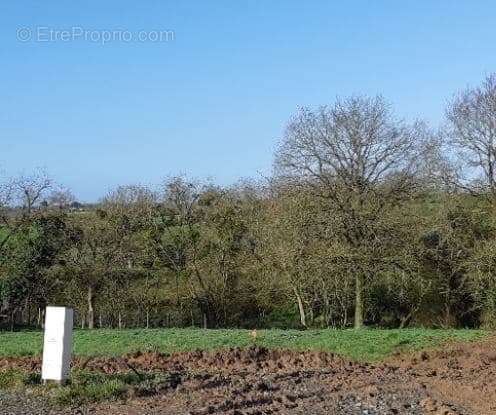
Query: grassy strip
(368, 345)
(88, 386)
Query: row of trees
(366, 220)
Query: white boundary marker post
(57, 344)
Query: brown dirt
(460, 373)
(459, 380)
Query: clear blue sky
(214, 101)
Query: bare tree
(31, 190)
(61, 198)
(472, 130)
(21, 194)
(357, 155)
(133, 206)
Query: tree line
(366, 220)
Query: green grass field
(369, 345)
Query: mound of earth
(460, 373)
(459, 380)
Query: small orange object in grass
(253, 334)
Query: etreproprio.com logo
(77, 33)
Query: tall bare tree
(472, 129)
(357, 155)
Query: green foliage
(12, 379)
(284, 317)
(26, 258)
(200, 256)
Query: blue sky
(214, 101)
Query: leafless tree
(356, 154)
(23, 193)
(61, 198)
(31, 190)
(356, 143)
(133, 205)
(472, 130)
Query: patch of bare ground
(464, 373)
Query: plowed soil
(460, 379)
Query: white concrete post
(57, 345)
